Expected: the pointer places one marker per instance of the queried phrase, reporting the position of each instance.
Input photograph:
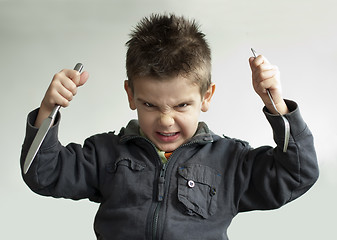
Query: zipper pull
(161, 183)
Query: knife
(43, 130)
(285, 121)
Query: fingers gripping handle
(286, 122)
(78, 67)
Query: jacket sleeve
(58, 171)
(269, 177)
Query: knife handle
(79, 67)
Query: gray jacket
(206, 182)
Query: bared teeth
(167, 134)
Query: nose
(166, 119)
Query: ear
(206, 102)
(129, 92)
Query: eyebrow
(188, 101)
(141, 100)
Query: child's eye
(149, 105)
(182, 105)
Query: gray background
(40, 37)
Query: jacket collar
(132, 131)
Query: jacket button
(191, 183)
(212, 192)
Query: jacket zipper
(160, 188)
(160, 197)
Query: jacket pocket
(197, 189)
(125, 162)
(125, 184)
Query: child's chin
(168, 147)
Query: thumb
(83, 79)
(251, 60)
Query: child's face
(168, 110)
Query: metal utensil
(286, 122)
(43, 130)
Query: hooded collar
(132, 131)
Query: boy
(166, 175)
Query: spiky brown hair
(163, 46)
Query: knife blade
(43, 130)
